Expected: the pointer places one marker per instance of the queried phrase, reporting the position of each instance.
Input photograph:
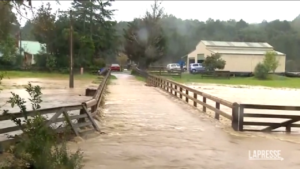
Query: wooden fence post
(217, 115)
(180, 95)
(187, 93)
(204, 101)
(237, 117)
(175, 91)
(195, 97)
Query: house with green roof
(29, 49)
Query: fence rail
(162, 71)
(237, 114)
(76, 116)
(288, 123)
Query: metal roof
(237, 44)
(32, 47)
(244, 52)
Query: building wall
(200, 49)
(235, 63)
(247, 63)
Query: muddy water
(56, 93)
(255, 95)
(148, 129)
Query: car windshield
(174, 65)
(115, 65)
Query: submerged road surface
(147, 129)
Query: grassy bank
(274, 81)
(139, 78)
(100, 78)
(45, 75)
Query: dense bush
(213, 62)
(38, 146)
(261, 71)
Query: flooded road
(148, 129)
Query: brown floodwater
(147, 128)
(244, 94)
(55, 93)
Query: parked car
(184, 68)
(196, 68)
(115, 67)
(172, 67)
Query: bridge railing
(195, 97)
(234, 112)
(61, 118)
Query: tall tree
(7, 33)
(44, 26)
(145, 41)
(94, 22)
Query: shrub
(38, 146)
(213, 62)
(270, 61)
(261, 71)
(99, 63)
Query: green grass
(112, 77)
(28, 74)
(273, 81)
(100, 78)
(139, 78)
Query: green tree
(261, 71)
(213, 62)
(122, 60)
(50, 63)
(27, 32)
(93, 22)
(44, 27)
(145, 42)
(270, 61)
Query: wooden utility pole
(71, 78)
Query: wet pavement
(148, 129)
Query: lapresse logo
(265, 155)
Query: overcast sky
(250, 11)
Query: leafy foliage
(38, 146)
(270, 61)
(213, 62)
(122, 59)
(261, 71)
(44, 26)
(145, 42)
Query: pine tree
(145, 42)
